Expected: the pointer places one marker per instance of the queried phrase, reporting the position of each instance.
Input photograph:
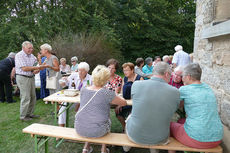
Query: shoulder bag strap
(88, 102)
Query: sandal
(88, 151)
(107, 150)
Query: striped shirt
(94, 119)
(23, 60)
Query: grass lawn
(12, 140)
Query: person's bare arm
(119, 101)
(174, 65)
(181, 105)
(55, 66)
(39, 59)
(117, 90)
(30, 68)
(122, 84)
(12, 75)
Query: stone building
(212, 52)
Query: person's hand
(36, 71)
(42, 67)
(45, 66)
(118, 109)
(12, 76)
(64, 78)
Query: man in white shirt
(180, 58)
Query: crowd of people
(158, 89)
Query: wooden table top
(60, 97)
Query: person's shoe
(13, 101)
(88, 151)
(26, 119)
(34, 116)
(107, 151)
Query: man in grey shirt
(154, 103)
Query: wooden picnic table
(59, 97)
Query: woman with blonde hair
(93, 116)
(64, 68)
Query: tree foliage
(136, 28)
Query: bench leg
(46, 147)
(36, 144)
(55, 119)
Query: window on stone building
(222, 11)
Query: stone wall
(213, 54)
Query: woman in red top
(115, 80)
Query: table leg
(55, 113)
(55, 119)
(67, 115)
(46, 146)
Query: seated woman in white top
(64, 68)
(76, 80)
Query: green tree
(138, 28)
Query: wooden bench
(118, 139)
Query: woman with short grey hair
(74, 67)
(51, 64)
(148, 68)
(201, 108)
(138, 68)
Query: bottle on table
(88, 84)
(73, 84)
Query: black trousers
(5, 88)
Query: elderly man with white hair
(6, 67)
(166, 59)
(25, 68)
(180, 58)
(176, 78)
(77, 80)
